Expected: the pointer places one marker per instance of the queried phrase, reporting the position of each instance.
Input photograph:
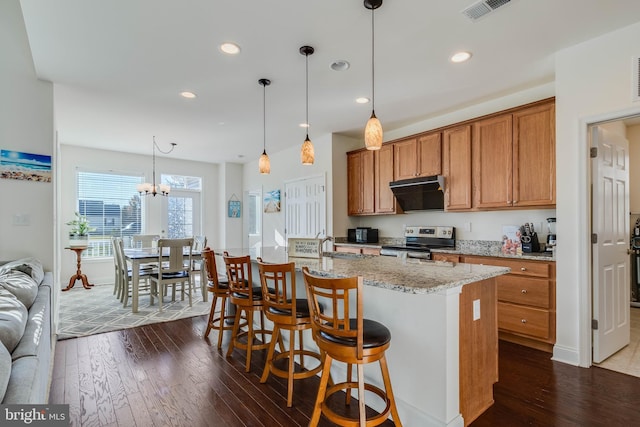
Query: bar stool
(247, 298)
(349, 340)
(219, 288)
(287, 313)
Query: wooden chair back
(240, 278)
(337, 295)
(211, 270)
(144, 240)
(180, 255)
(278, 283)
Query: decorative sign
(234, 208)
(305, 248)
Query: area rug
(93, 311)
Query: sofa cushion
(13, 319)
(36, 337)
(5, 370)
(30, 266)
(28, 383)
(21, 285)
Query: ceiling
(118, 66)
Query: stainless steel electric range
(419, 240)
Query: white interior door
(610, 221)
(305, 208)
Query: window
(254, 212)
(112, 205)
(183, 207)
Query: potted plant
(79, 233)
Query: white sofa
(25, 332)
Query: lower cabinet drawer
(524, 320)
(523, 290)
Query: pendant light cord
(264, 119)
(306, 55)
(373, 55)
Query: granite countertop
(359, 245)
(409, 275)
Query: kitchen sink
(344, 255)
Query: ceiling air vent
(635, 80)
(482, 8)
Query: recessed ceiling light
(460, 56)
(304, 125)
(363, 100)
(187, 94)
(340, 65)
(230, 48)
(241, 156)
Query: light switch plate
(476, 309)
(21, 219)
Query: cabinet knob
(524, 321)
(515, 202)
(523, 269)
(524, 291)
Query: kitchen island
(443, 322)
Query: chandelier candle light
(264, 165)
(373, 129)
(307, 154)
(152, 189)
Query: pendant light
(264, 165)
(307, 154)
(373, 129)
(151, 188)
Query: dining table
(140, 256)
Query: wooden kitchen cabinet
(364, 250)
(526, 301)
(369, 173)
(445, 257)
(384, 200)
(456, 168)
(360, 182)
(419, 156)
(514, 159)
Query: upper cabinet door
(492, 162)
(430, 154)
(534, 155)
(456, 165)
(385, 202)
(405, 163)
(418, 157)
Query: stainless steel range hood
(419, 194)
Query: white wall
(286, 166)
(593, 83)
(72, 157)
(26, 124)
(230, 229)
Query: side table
(79, 275)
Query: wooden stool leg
(223, 307)
(361, 407)
(387, 387)
(249, 338)
(292, 349)
(270, 351)
(236, 326)
(349, 378)
(211, 315)
(322, 390)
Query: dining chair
(144, 240)
(349, 338)
(288, 313)
(124, 274)
(174, 270)
(199, 243)
(219, 288)
(247, 298)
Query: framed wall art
(25, 166)
(234, 207)
(272, 201)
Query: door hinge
(594, 324)
(594, 238)
(594, 152)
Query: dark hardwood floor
(166, 374)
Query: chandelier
(152, 188)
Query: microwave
(362, 235)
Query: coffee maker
(551, 235)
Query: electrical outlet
(467, 226)
(476, 309)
